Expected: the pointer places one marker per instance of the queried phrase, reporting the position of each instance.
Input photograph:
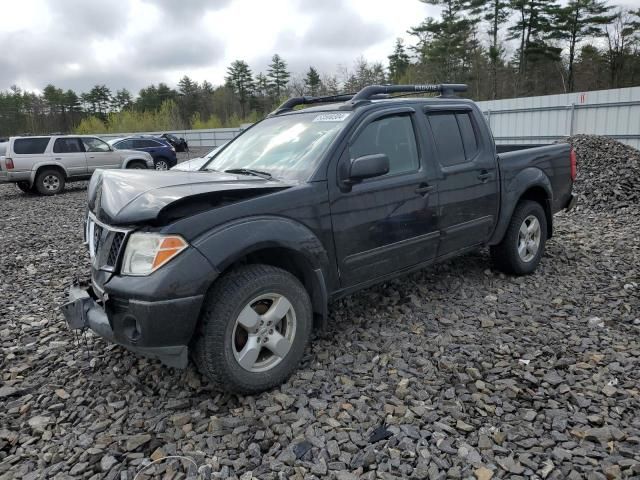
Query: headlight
(147, 252)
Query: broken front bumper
(153, 329)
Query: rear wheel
(523, 244)
(49, 182)
(162, 164)
(254, 328)
(136, 165)
(25, 187)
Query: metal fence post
(571, 118)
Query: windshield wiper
(249, 171)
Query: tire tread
(220, 306)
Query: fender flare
(39, 165)
(225, 245)
(530, 177)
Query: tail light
(9, 163)
(574, 164)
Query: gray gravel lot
(453, 372)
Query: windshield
(287, 147)
(209, 155)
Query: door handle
(484, 176)
(424, 189)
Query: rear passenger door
(468, 189)
(100, 154)
(70, 153)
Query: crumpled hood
(123, 197)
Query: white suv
(45, 164)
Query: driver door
(389, 223)
(100, 154)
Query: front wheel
(522, 247)
(254, 328)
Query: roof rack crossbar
(445, 90)
(293, 102)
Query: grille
(97, 238)
(105, 244)
(114, 251)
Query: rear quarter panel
(547, 167)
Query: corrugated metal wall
(614, 113)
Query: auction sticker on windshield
(331, 117)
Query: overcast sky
(133, 43)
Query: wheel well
(539, 194)
(50, 167)
(136, 160)
(298, 265)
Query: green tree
(240, 79)
(495, 13)
(577, 21)
(623, 38)
(532, 29)
(312, 82)
(445, 46)
(189, 97)
(399, 62)
(121, 100)
(278, 76)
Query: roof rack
(293, 102)
(372, 92)
(446, 90)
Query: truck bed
(549, 160)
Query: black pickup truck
(235, 264)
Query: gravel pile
(608, 173)
(453, 372)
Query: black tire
(25, 187)
(506, 256)
(158, 162)
(214, 348)
(49, 182)
(136, 165)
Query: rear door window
(469, 138)
(146, 144)
(30, 146)
(447, 137)
(67, 145)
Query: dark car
(180, 144)
(236, 263)
(164, 155)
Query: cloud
(133, 43)
(187, 10)
(179, 49)
(81, 19)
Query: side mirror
(368, 166)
